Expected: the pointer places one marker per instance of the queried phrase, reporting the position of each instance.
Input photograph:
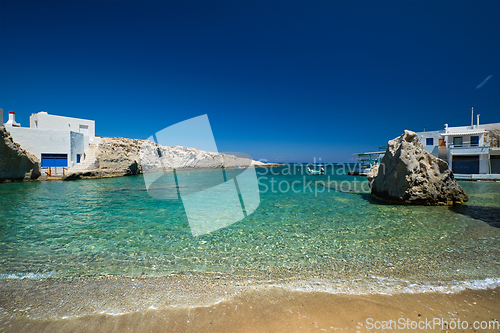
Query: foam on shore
(280, 310)
(55, 298)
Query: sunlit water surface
(112, 226)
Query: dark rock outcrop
(408, 174)
(16, 164)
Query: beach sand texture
(278, 310)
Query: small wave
(112, 313)
(31, 276)
(387, 286)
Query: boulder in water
(408, 174)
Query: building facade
(57, 141)
(44, 121)
(467, 149)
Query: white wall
(39, 141)
(77, 146)
(43, 120)
(432, 149)
(484, 164)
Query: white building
(467, 149)
(57, 141)
(43, 120)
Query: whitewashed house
(57, 141)
(467, 149)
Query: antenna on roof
(472, 119)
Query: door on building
(457, 141)
(495, 163)
(54, 160)
(465, 164)
(442, 154)
(78, 158)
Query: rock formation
(16, 163)
(494, 137)
(408, 174)
(121, 157)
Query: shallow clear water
(113, 227)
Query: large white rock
(120, 157)
(408, 174)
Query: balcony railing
(467, 145)
(53, 171)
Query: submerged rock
(408, 174)
(16, 164)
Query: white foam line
(31, 276)
(387, 286)
(371, 285)
(112, 313)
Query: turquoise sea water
(90, 228)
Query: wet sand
(278, 310)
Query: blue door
(495, 163)
(78, 157)
(465, 164)
(54, 160)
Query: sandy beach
(278, 310)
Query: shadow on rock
(490, 215)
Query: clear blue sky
(279, 80)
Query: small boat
(316, 171)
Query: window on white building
(84, 129)
(429, 141)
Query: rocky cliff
(408, 174)
(16, 163)
(494, 137)
(121, 157)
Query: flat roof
(463, 133)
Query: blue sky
(279, 80)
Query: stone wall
(494, 137)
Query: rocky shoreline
(116, 157)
